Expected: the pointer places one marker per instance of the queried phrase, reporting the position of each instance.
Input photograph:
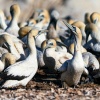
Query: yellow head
(15, 10)
(79, 24)
(24, 31)
(31, 22)
(95, 16)
(44, 15)
(51, 43)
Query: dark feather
(4, 76)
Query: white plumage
(22, 72)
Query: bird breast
(77, 61)
(40, 39)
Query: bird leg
(64, 85)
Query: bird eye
(51, 43)
(42, 16)
(39, 32)
(31, 23)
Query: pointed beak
(61, 44)
(42, 32)
(71, 28)
(38, 18)
(38, 10)
(68, 25)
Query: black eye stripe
(51, 43)
(42, 15)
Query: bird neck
(77, 51)
(2, 23)
(14, 21)
(77, 46)
(83, 34)
(31, 43)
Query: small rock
(79, 93)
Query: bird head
(31, 22)
(24, 31)
(51, 43)
(95, 16)
(43, 15)
(75, 31)
(15, 10)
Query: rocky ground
(46, 86)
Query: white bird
(90, 61)
(53, 56)
(43, 23)
(22, 72)
(13, 44)
(94, 44)
(13, 28)
(74, 67)
(2, 51)
(43, 19)
(7, 59)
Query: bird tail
(11, 84)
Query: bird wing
(63, 66)
(19, 70)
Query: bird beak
(38, 10)
(42, 32)
(61, 44)
(38, 18)
(71, 28)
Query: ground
(47, 85)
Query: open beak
(61, 44)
